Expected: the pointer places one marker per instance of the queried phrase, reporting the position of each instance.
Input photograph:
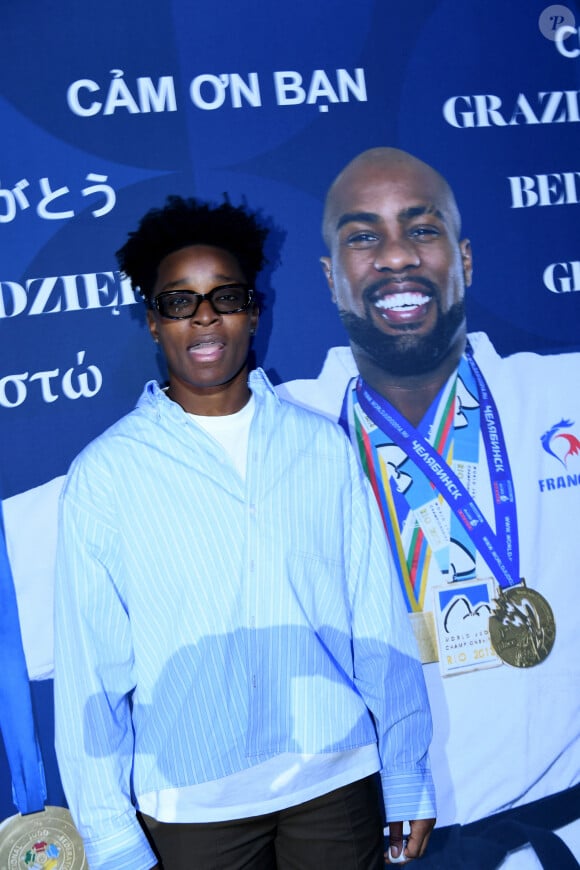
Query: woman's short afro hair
(183, 222)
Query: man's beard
(406, 353)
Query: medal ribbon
(499, 550)
(393, 500)
(497, 459)
(16, 719)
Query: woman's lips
(206, 350)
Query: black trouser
(342, 830)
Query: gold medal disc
(522, 627)
(47, 840)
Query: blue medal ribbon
(500, 550)
(498, 462)
(16, 718)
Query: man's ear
(326, 264)
(467, 261)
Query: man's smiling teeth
(401, 301)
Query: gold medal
(41, 841)
(522, 627)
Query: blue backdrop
(106, 108)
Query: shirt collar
(154, 396)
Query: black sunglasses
(226, 299)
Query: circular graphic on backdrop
(41, 841)
(552, 18)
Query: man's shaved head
(390, 161)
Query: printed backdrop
(106, 108)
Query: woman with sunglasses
(234, 665)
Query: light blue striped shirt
(205, 624)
